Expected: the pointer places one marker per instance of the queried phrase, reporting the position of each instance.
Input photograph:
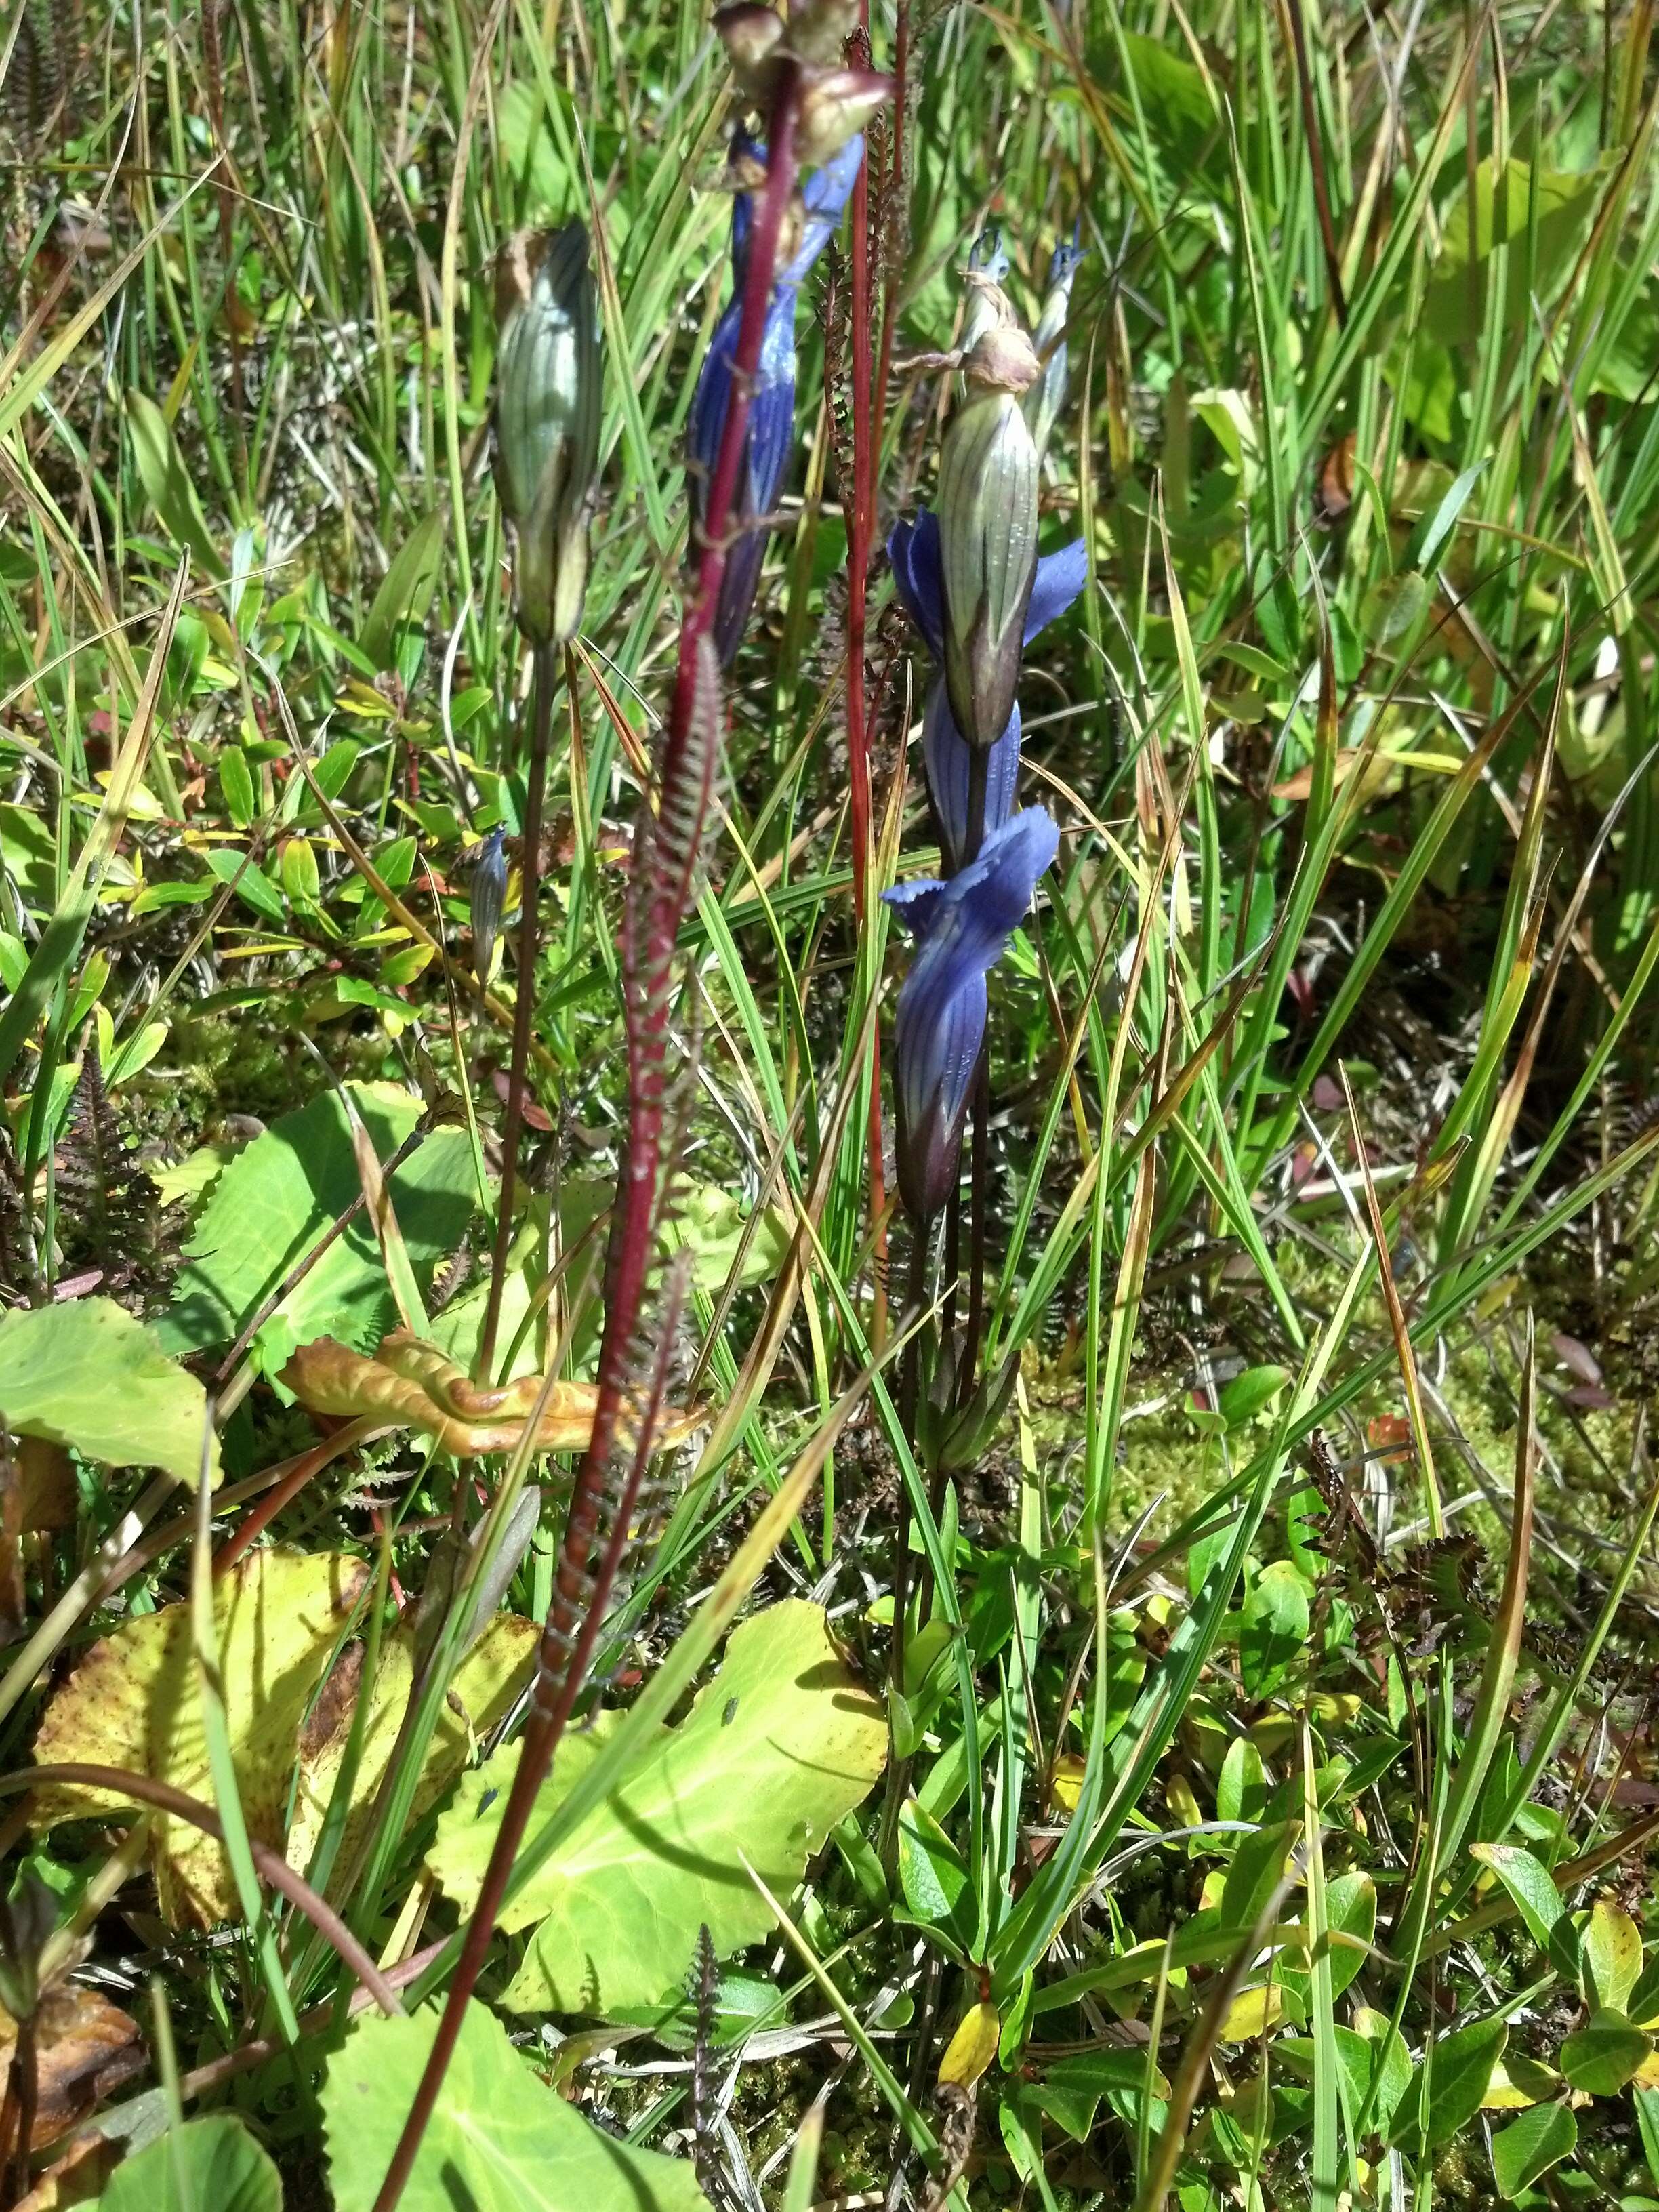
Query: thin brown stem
(530, 878)
(898, 1767)
(26, 2073)
(288, 1479)
(1317, 160)
(272, 1868)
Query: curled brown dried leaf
(413, 1384)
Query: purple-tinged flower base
(949, 761)
(960, 928)
(913, 550)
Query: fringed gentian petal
(960, 928)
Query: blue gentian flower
(913, 549)
(769, 434)
(960, 928)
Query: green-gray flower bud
(988, 521)
(988, 265)
(1047, 395)
(548, 374)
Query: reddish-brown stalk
(861, 526)
(860, 519)
(892, 261)
(666, 857)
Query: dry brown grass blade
(1200, 2044)
(1399, 1327)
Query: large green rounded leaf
(87, 1374)
(500, 2140)
(214, 2162)
(272, 1203)
(776, 1750)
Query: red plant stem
(662, 892)
(860, 528)
(292, 1480)
(893, 273)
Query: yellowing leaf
(972, 2046)
(1253, 2014)
(775, 1749)
(411, 1383)
(1066, 1785)
(134, 1702)
(1183, 1803)
(1613, 1951)
(1517, 2081)
(480, 1694)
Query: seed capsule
(549, 379)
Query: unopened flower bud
(1047, 396)
(549, 373)
(488, 901)
(987, 518)
(988, 265)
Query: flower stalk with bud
(973, 581)
(549, 373)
